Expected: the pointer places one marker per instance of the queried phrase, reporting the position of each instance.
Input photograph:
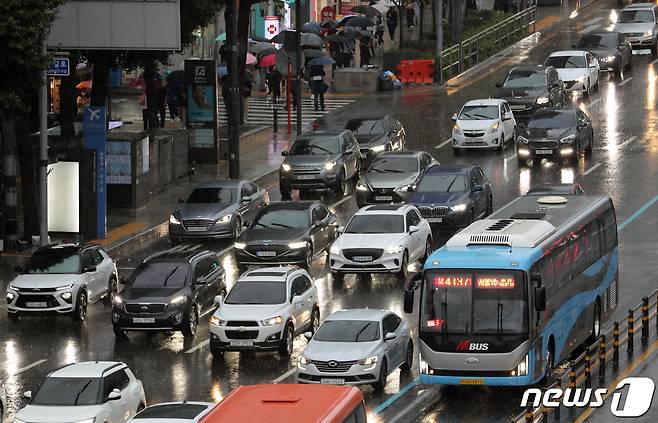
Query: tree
(23, 28)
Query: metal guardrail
(460, 57)
(596, 356)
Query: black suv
(169, 291)
(529, 88)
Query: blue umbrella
(222, 71)
(321, 61)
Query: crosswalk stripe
(262, 112)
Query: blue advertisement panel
(95, 138)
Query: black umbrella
(312, 53)
(311, 28)
(280, 37)
(366, 10)
(329, 24)
(259, 38)
(312, 40)
(335, 38)
(360, 22)
(350, 33)
(262, 48)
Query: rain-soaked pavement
(624, 165)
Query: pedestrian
(273, 80)
(161, 100)
(367, 51)
(379, 31)
(82, 100)
(170, 92)
(247, 86)
(410, 16)
(181, 98)
(392, 22)
(318, 87)
(223, 53)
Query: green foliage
(196, 14)
(23, 26)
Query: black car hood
(604, 52)
(521, 92)
(539, 133)
(435, 198)
(281, 235)
(148, 295)
(366, 140)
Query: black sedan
(392, 176)
(611, 49)
(529, 88)
(287, 233)
(377, 134)
(453, 195)
(555, 134)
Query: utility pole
(43, 154)
(299, 58)
(438, 15)
(233, 90)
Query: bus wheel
(550, 364)
(596, 325)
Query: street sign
(328, 14)
(59, 67)
(95, 137)
(271, 26)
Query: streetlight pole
(299, 60)
(233, 107)
(43, 154)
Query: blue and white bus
(510, 296)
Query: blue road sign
(59, 67)
(95, 137)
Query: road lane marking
(589, 28)
(224, 251)
(383, 406)
(628, 141)
(338, 203)
(28, 367)
(422, 400)
(198, 347)
(638, 212)
(512, 157)
(207, 312)
(593, 21)
(594, 102)
(592, 169)
(654, 62)
(625, 81)
(444, 143)
(286, 375)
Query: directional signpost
(59, 67)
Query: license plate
(471, 382)
(306, 177)
(383, 197)
(242, 343)
(143, 319)
(196, 229)
(544, 151)
(473, 140)
(265, 253)
(518, 107)
(434, 219)
(362, 258)
(37, 304)
(332, 381)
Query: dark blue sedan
(453, 195)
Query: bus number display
(452, 281)
(496, 282)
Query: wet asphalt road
(624, 165)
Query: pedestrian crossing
(261, 111)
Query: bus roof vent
(508, 232)
(552, 200)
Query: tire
(588, 89)
(501, 144)
(80, 312)
(191, 322)
(241, 267)
(588, 149)
(550, 365)
(285, 345)
(315, 320)
(285, 192)
(13, 317)
(428, 249)
(338, 277)
(217, 354)
(489, 206)
(456, 151)
(383, 375)
(596, 325)
(340, 186)
(112, 290)
(140, 407)
(409, 358)
(309, 257)
(576, 157)
(471, 218)
(119, 332)
(237, 228)
(402, 274)
(654, 49)
(521, 162)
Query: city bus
(509, 297)
(282, 403)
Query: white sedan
(485, 124)
(578, 69)
(354, 347)
(381, 239)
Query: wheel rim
(193, 321)
(316, 321)
(597, 323)
(309, 255)
(428, 247)
(113, 289)
(383, 374)
(238, 228)
(343, 186)
(82, 307)
(410, 355)
(289, 340)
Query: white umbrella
(382, 7)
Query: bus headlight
(522, 368)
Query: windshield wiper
(393, 170)
(283, 225)
(360, 332)
(77, 397)
(499, 317)
(169, 275)
(321, 149)
(451, 183)
(263, 225)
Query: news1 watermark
(634, 401)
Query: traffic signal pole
(233, 107)
(298, 50)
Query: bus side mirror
(540, 298)
(408, 301)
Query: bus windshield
(482, 302)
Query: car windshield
(442, 182)
(68, 391)
(282, 219)
(316, 146)
(160, 275)
(479, 113)
(608, 41)
(260, 292)
(376, 224)
(366, 127)
(636, 16)
(347, 331)
(525, 79)
(395, 164)
(551, 119)
(212, 196)
(54, 262)
(566, 62)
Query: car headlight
(303, 360)
(216, 321)
(494, 127)
(239, 245)
(542, 100)
(297, 245)
(522, 368)
(286, 167)
(174, 220)
(568, 139)
(272, 321)
(368, 361)
(459, 207)
(648, 33)
(66, 296)
(609, 59)
(394, 249)
(117, 300)
(334, 249)
(177, 300)
(581, 78)
(456, 129)
(361, 187)
(405, 187)
(522, 139)
(10, 296)
(378, 148)
(224, 219)
(64, 288)
(329, 165)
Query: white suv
(381, 239)
(62, 279)
(638, 23)
(487, 123)
(265, 310)
(86, 392)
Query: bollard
(572, 375)
(615, 346)
(645, 321)
(588, 368)
(602, 357)
(556, 410)
(529, 414)
(656, 310)
(631, 329)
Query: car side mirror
(390, 336)
(454, 117)
(296, 299)
(507, 116)
(499, 85)
(410, 189)
(413, 229)
(246, 198)
(219, 300)
(114, 395)
(349, 151)
(181, 199)
(340, 229)
(90, 269)
(27, 394)
(200, 281)
(478, 188)
(284, 153)
(123, 281)
(308, 335)
(540, 298)
(19, 269)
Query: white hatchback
(484, 124)
(381, 239)
(579, 70)
(86, 392)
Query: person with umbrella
(392, 22)
(82, 101)
(273, 80)
(318, 87)
(367, 50)
(247, 86)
